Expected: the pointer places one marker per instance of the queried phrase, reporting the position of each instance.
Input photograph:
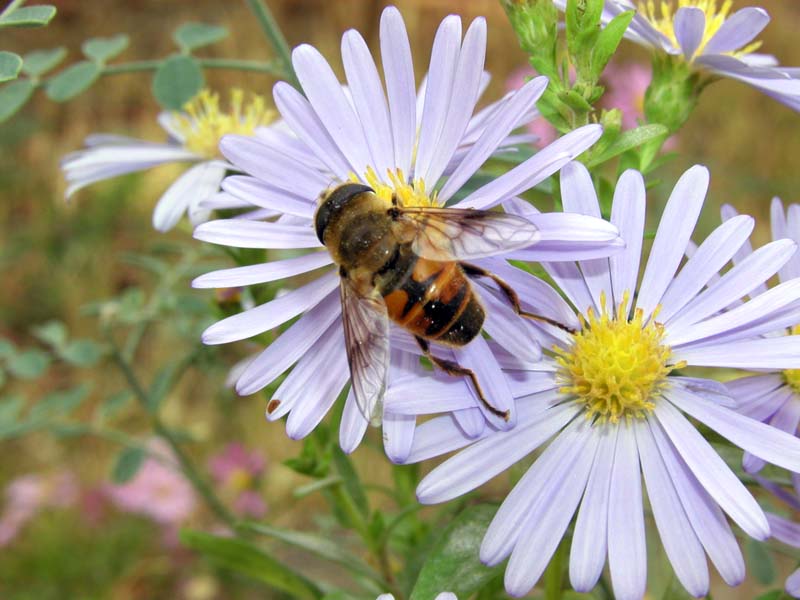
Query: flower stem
(275, 37)
(137, 66)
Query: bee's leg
(453, 368)
(513, 298)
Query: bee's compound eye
(333, 203)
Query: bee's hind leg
(511, 295)
(453, 368)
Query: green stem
(257, 66)
(12, 6)
(275, 37)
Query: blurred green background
(58, 257)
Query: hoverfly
(404, 264)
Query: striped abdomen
(435, 302)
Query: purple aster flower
(193, 139)
(706, 34)
(396, 142)
(611, 400)
(772, 397)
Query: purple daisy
(706, 34)
(611, 399)
(400, 144)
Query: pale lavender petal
(713, 390)
(201, 181)
(271, 314)
(570, 236)
(712, 472)
(712, 255)
(569, 279)
(464, 95)
(792, 584)
(507, 328)
(554, 463)
(259, 160)
(365, 87)
(485, 459)
(740, 280)
(398, 436)
(752, 464)
(305, 124)
(628, 214)
(737, 31)
(502, 122)
(419, 395)
(784, 530)
(704, 514)
(792, 268)
(689, 25)
(770, 353)
(353, 426)
(444, 60)
(292, 344)
(589, 541)
(534, 170)
(334, 110)
(547, 521)
(264, 272)
(471, 420)
(759, 396)
(526, 383)
(282, 138)
(674, 230)
(479, 358)
(257, 234)
(680, 542)
(399, 73)
(265, 195)
(627, 552)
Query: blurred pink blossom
(158, 490)
(29, 494)
(539, 127)
(237, 471)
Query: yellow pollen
(411, 194)
(615, 366)
(792, 376)
(203, 123)
(661, 15)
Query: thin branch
(275, 37)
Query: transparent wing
(366, 334)
(463, 234)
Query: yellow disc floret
(661, 15)
(203, 123)
(792, 376)
(615, 366)
(409, 194)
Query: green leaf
(243, 557)
(113, 405)
(39, 62)
(351, 482)
(194, 35)
(608, 40)
(163, 383)
(59, 404)
(53, 333)
(774, 595)
(13, 96)
(676, 591)
(128, 462)
(177, 80)
(81, 353)
(10, 65)
(72, 81)
(29, 364)
(7, 348)
(101, 50)
(628, 140)
(760, 561)
(453, 564)
(29, 16)
(10, 408)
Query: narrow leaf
(10, 408)
(72, 81)
(81, 353)
(53, 333)
(13, 96)
(39, 62)
(29, 364)
(10, 65)
(128, 462)
(101, 50)
(29, 16)
(453, 564)
(608, 40)
(760, 562)
(177, 81)
(194, 35)
(628, 140)
(243, 557)
(59, 404)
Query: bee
(405, 265)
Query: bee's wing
(366, 335)
(445, 234)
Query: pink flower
(238, 471)
(158, 490)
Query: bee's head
(333, 201)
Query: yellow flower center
(408, 193)
(662, 14)
(203, 123)
(792, 376)
(615, 366)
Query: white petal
(628, 214)
(262, 273)
(353, 426)
(255, 234)
(201, 181)
(770, 353)
(267, 196)
(398, 436)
